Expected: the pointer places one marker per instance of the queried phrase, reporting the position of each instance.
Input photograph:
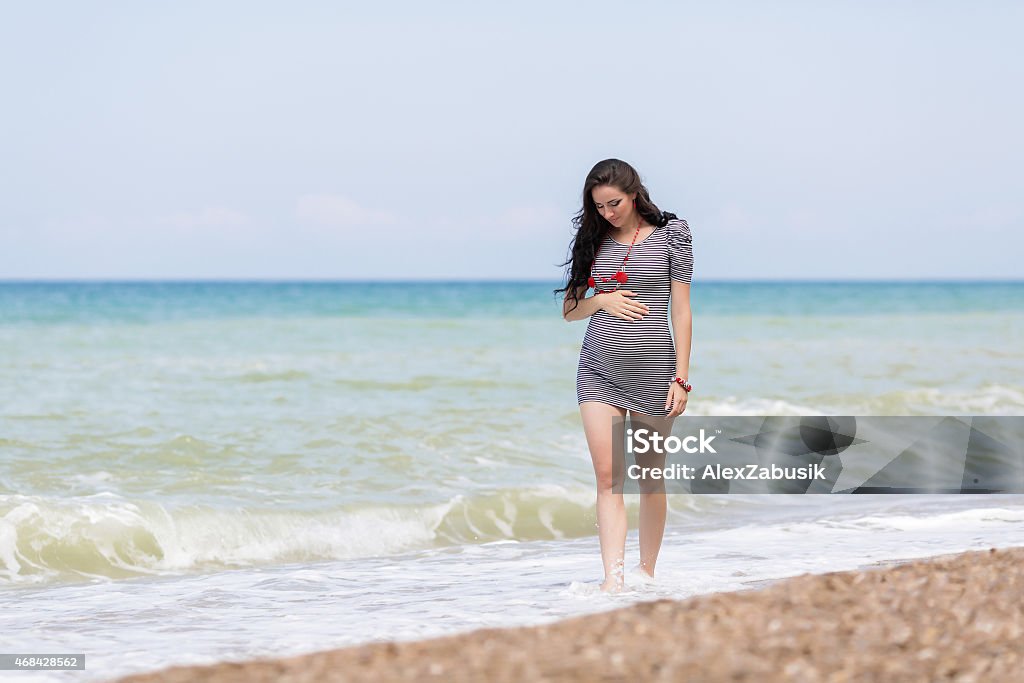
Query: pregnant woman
(638, 260)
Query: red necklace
(620, 276)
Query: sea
(204, 471)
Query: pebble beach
(948, 618)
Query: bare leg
(611, 511)
(652, 495)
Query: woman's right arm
(588, 306)
(618, 302)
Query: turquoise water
(156, 435)
(299, 414)
(91, 302)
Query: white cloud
(84, 226)
(521, 222)
(340, 212)
(805, 221)
(995, 219)
(531, 216)
(209, 218)
(735, 220)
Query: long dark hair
(591, 228)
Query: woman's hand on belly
(619, 304)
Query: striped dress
(630, 363)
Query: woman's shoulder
(677, 227)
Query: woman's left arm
(682, 324)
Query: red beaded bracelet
(687, 387)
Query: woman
(628, 361)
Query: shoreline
(953, 616)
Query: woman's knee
(605, 480)
(653, 486)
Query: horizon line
(307, 280)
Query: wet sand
(954, 617)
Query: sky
(451, 140)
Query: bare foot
(641, 576)
(614, 581)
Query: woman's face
(614, 205)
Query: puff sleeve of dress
(680, 250)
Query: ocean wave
(991, 399)
(106, 536)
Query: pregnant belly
(608, 336)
